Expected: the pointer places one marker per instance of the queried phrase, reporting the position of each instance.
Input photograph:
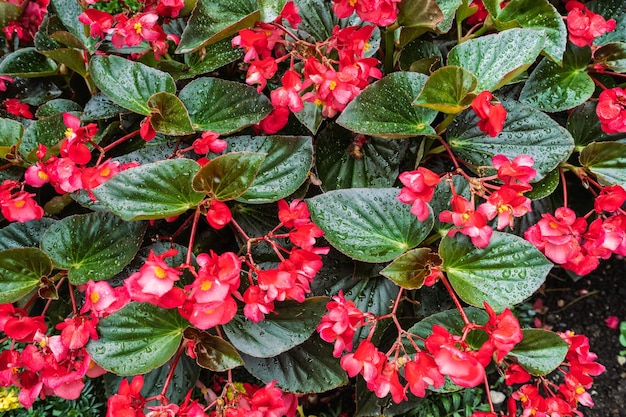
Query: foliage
(268, 198)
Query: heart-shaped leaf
(367, 224)
(223, 106)
(540, 351)
(26, 63)
(385, 108)
(607, 160)
(292, 324)
(92, 246)
(227, 177)
(137, 339)
(129, 83)
(21, 270)
(449, 90)
(504, 273)
(497, 59)
(526, 131)
(284, 169)
(409, 269)
(153, 191)
(169, 115)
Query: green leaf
(28, 234)
(385, 108)
(342, 163)
(137, 339)
(223, 106)
(292, 324)
(526, 131)
(539, 15)
(443, 196)
(68, 11)
(214, 56)
(449, 90)
(99, 107)
(451, 320)
(553, 87)
(448, 8)
(540, 352)
(153, 191)
(71, 58)
(612, 56)
(27, 63)
(310, 116)
(608, 9)
(545, 187)
(169, 115)
(212, 352)
(270, 9)
(20, 272)
(92, 246)
(284, 169)
(10, 135)
(48, 131)
(504, 273)
(368, 224)
(606, 160)
(128, 83)
(8, 12)
(584, 125)
(309, 367)
(213, 21)
(409, 269)
(419, 13)
(318, 19)
(227, 177)
(420, 56)
(497, 59)
(56, 106)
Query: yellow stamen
(332, 85)
(206, 285)
(94, 297)
(160, 272)
(466, 216)
(19, 203)
(352, 3)
(105, 172)
(69, 133)
(43, 175)
(137, 27)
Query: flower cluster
(18, 205)
(611, 110)
(584, 26)
(25, 28)
(379, 12)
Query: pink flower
(154, 280)
(503, 330)
(218, 215)
(468, 221)
(584, 26)
(287, 95)
(611, 199)
(611, 110)
(418, 191)
(3, 80)
(340, 323)
(506, 204)
(491, 115)
(209, 142)
(379, 12)
(260, 71)
(99, 22)
(519, 171)
(367, 360)
(102, 299)
(422, 373)
(612, 322)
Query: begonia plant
(220, 206)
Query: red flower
(260, 71)
(73, 146)
(128, 402)
(515, 374)
(611, 110)
(366, 360)
(491, 115)
(506, 204)
(379, 12)
(471, 223)
(146, 131)
(291, 13)
(256, 304)
(20, 207)
(503, 330)
(519, 171)
(273, 122)
(16, 323)
(17, 108)
(340, 323)
(209, 142)
(294, 214)
(419, 190)
(584, 26)
(99, 22)
(218, 215)
(287, 95)
(169, 8)
(611, 199)
(612, 322)
(422, 373)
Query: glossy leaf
(8, 12)
(448, 9)
(270, 9)
(213, 21)
(497, 59)
(504, 273)
(56, 106)
(92, 246)
(99, 107)
(128, 83)
(68, 11)
(409, 269)
(420, 56)
(607, 160)
(137, 339)
(540, 352)
(448, 90)
(284, 169)
(214, 56)
(308, 367)
(539, 15)
(545, 187)
(21, 270)
(227, 177)
(443, 196)
(310, 116)
(584, 125)
(212, 352)
(153, 191)
(342, 163)
(169, 115)
(553, 87)
(615, 9)
(71, 58)
(451, 320)
(318, 19)
(612, 56)
(292, 324)
(385, 108)
(24, 235)
(526, 131)
(422, 13)
(10, 135)
(48, 131)
(223, 106)
(27, 63)
(367, 224)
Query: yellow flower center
(352, 3)
(19, 204)
(43, 175)
(332, 85)
(206, 285)
(94, 297)
(69, 133)
(159, 272)
(137, 27)
(466, 216)
(503, 208)
(105, 172)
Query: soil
(582, 306)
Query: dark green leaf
(213, 57)
(409, 269)
(99, 107)
(540, 352)
(227, 177)
(607, 160)
(27, 63)
(367, 224)
(92, 246)
(8, 12)
(419, 13)
(169, 115)
(20, 272)
(68, 11)
(310, 116)
(71, 58)
(212, 352)
(497, 59)
(284, 169)
(292, 324)
(153, 191)
(553, 87)
(128, 83)
(56, 106)
(213, 21)
(385, 108)
(504, 273)
(584, 125)
(309, 367)
(449, 90)
(526, 131)
(48, 131)
(545, 187)
(608, 9)
(448, 8)
(137, 339)
(318, 19)
(223, 106)
(612, 56)
(270, 9)
(420, 51)
(10, 135)
(28, 234)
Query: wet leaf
(27, 234)
(169, 115)
(540, 352)
(10, 135)
(27, 63)
(449, 90)
(212, 352)
(21, 270)
(409, 269)
(607, 160)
